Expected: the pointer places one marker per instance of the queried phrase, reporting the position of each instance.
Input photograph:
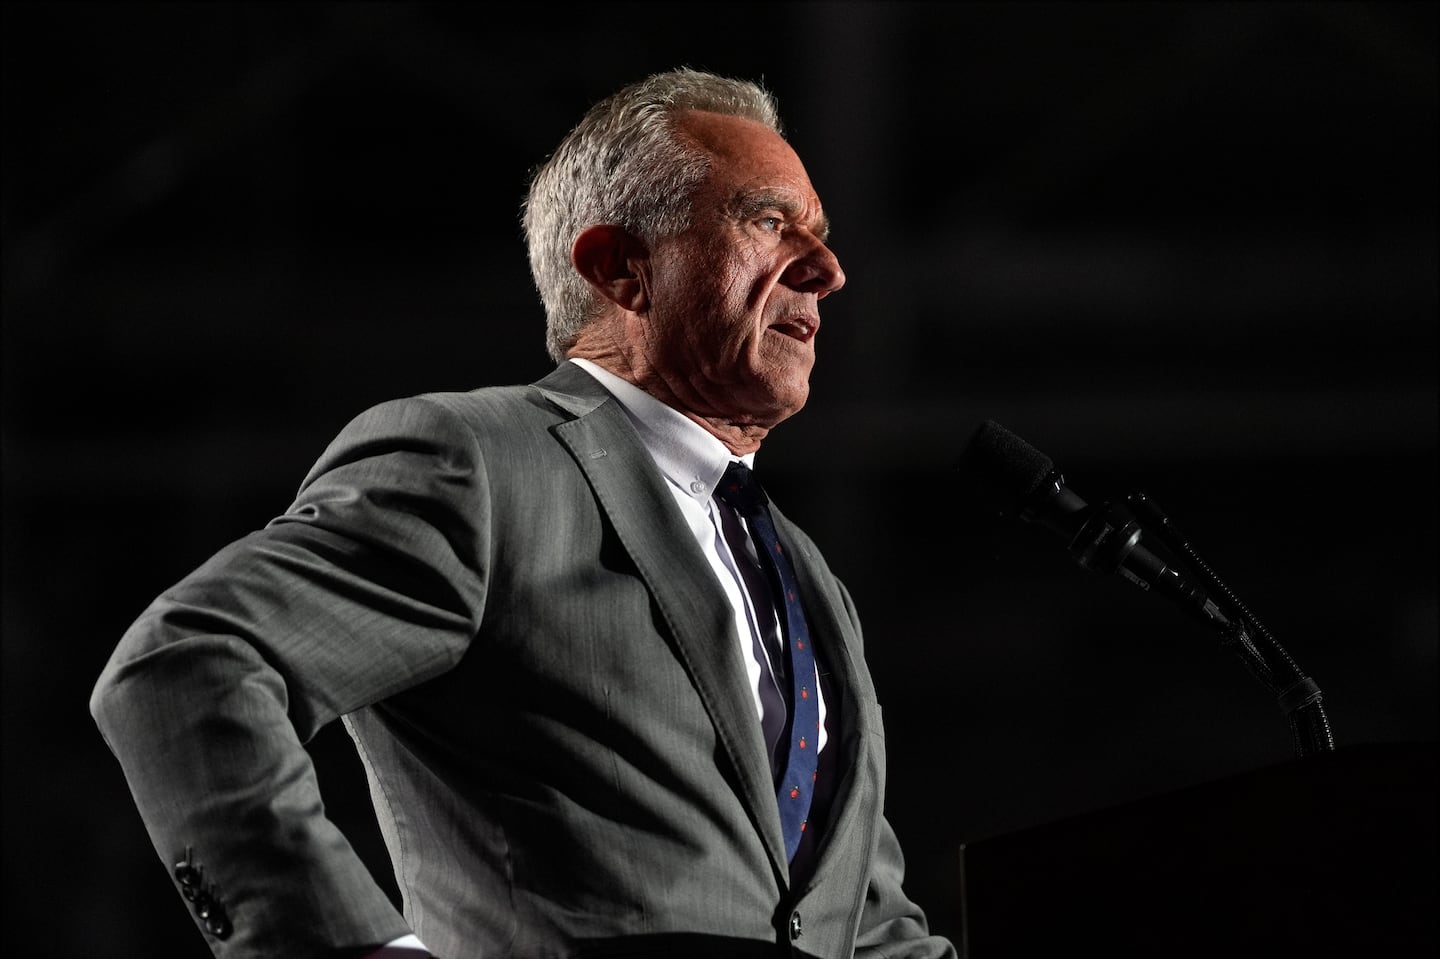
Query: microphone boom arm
(1298, 695)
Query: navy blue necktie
(739, 490)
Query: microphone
(1010, 475)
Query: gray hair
(623, 164)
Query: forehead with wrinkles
(754, 170)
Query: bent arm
(371, 583)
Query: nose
(816, 271)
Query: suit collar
(572, 389)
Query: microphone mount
(1106, 540)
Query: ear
(611, 260)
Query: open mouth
(799, 328)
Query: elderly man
(610, 701)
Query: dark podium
(1327, 855)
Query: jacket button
(218, 925)
(796, 930)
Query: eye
(771, 224)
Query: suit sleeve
(372, 582)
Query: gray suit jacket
(499, 596)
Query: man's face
(732, 307)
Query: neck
(607, 353)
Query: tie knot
(740, 490)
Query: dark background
(1185, 248)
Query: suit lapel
(632, 493)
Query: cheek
(752, 278)
(739, 297)
(724, 306)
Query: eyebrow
(755, 203)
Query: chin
(787, 401)
(769, 395)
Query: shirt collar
(689, 456)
